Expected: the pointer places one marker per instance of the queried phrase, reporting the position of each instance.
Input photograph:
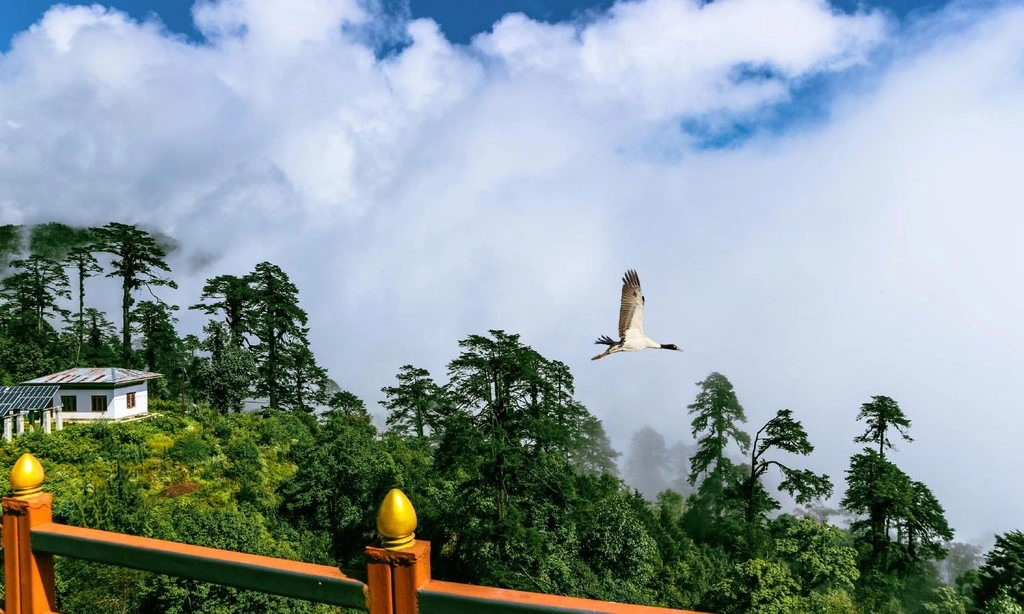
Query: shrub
(191, 449)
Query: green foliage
(900, 526)
(716, 415)
(829, 602)
(415, 404)
(232, 296)
(819, 555)
(286, 370)
(757, 586)
(115, 504)
(85, 266)
(282, 430)
(691, 575)
(348, 404)
(161, 347)
(191, 449)
(92, 588)
(1001, 577)
(23, 360)
(592, 450)
(881, 415)
(224, 379)
(54, 240)
(246, 467)
(100, 346)
(242, 530)
(619, 550)
(1003, 603)
(512, 409)
(341, 478)
(137, 259)
(30, 309)
(10, 242)
(714, 510)
(785, 434)
(33, 294)
(946, 600)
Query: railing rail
(398, 572)
(440, 596)
(319, 583)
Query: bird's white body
(631, 322)
(635, 343)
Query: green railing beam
(439, 597)
(308, 581)
(442, 603)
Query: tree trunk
(126, 341)
(81, 312)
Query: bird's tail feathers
(605, 340)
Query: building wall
(117, 402)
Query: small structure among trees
(38, 403)
(89, 394)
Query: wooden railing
(397, 581)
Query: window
(69, 402)
(99, 402)
(131, 400)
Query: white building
(100, 394)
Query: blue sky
(459, 20)
(822, 205)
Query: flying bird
(631, 322)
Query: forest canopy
(515, 482)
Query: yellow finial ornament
(396, 521)
(27, 476)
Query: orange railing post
(401, 565)
(410, 571)
(378, 579)
(28, 576)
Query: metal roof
(26, 398)
(87, 375)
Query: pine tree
(161, 347)
(85, 265)
(286, 369)
(1002, 574)
(224, 378)
(781, 433)
(232, 296)
(881, 415)
(900, 526)
(415, 404)
(34, 292)
(137, 258)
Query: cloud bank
(440, 190)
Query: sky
(823, 201)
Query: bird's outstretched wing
(631, 310)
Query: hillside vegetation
(514, 481)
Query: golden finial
(27, 476)
(396, 521)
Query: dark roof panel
(26, 398)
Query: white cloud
(448, 189)
(663, 58)
(277, 28)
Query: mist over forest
(514, 479)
